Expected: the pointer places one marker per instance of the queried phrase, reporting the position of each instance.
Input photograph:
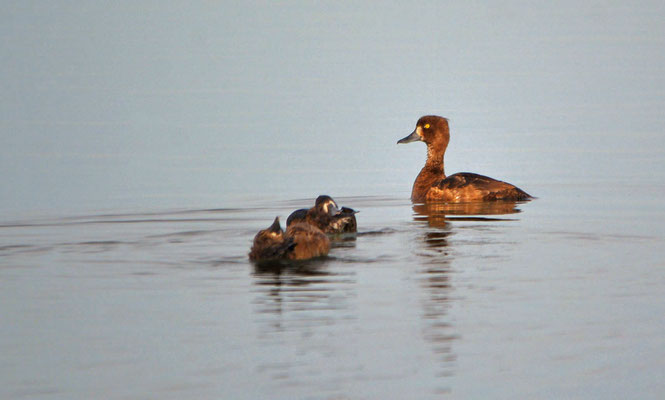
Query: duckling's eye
(426, 126)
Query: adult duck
(432, 184)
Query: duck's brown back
(466, 186)
(309, 241)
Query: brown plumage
(326, 216)
(310, 241)
(432, 184)
(299, 242)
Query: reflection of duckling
(300, 241)
(326, 216)
(432, 183)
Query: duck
(326, 216)
(301, 241)
(432, 185)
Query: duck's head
(273, 233)
(271, 244)
(326, 205)
(431, 129)
(275, 228)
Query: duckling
(300, 241)
(327, 216)
(431, 184)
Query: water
(144, 145)
(547, 302)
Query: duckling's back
(309, 241)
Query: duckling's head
(271, 244)
(431, 129)
(275, 228)
(273, 233)
(326, 205)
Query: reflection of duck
(300, 241)
(437, 239)
(435, 213)
(434, 275)
(432, 183)
(327, 216)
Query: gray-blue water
(144, 144)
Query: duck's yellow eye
(426, 126)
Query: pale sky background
(154, 104)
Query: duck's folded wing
(488, 188)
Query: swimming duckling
(432, 183)
(327, 216)
(300, 241)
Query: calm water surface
(559, 298)
(143, 144)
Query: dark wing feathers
(492, 188)
(277, 250)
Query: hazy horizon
(137, 104)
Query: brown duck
(327, 216)
(300, 242)
(432, 184)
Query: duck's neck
(431, 173)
